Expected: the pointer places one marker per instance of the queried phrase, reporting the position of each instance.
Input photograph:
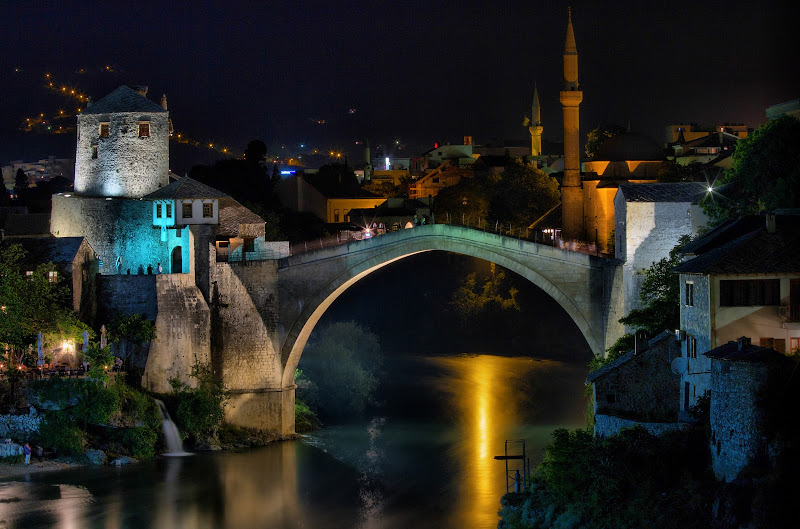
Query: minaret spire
(535, 127)
(571, 188)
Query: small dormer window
(169, 211)
(105, 129)
(144, 129)
(187, 210)
(158, 211)
(207, 213)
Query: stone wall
(737, 435)
(183, 333)
(126, 165)
(641, 386)
(19, 427)
(245, 345)
(696, 321)
(118, 227)
(605, 425)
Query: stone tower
(571, 97)
(123, 146)
(535, 127)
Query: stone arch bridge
(292, 293)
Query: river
(425, 460)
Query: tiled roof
(61, 250)
(185, 188)
(748, 353)
(594, 375)
(124, 99)
(232, 215)
(691, 192)
(747, 248)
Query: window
(749, 292)
(779, 344)
(94, 152)
(169, 211)
(249, 245)
(158, 211)
(689, 296)
(794, 300)
(335, 215)
(207, 211)
(144, 129)
(691, 347)
(794, 344)
(187, 210)
(52, 276)
(29, 273)
(105, 130)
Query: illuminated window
(794, 344)
(29, 273)
(689, 295)
(144, 129)
(105, 130)
(52, 276)
(169, 211)
(207, 211)
(158, 211)
(94, 152)
(187, 210)
(691, 347)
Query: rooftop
(732, 352)
(60, 250)
(746, 247)
(124, 99)
(691, 192)
(185, 188)
(627, 357)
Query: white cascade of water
(171, 434)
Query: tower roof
(570, 48)
(536, 113)
(124, 99)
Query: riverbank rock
(124, 460)
(10, 450)
(95, 457)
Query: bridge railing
(547, 237)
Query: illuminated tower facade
(535, 127)
(123, 146)
(571, 97)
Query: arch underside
(316, 306)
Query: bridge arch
(568, 277)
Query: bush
(305, 420)
(60, 433)
(200, 411)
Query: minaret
(536, 125)
(571, 97)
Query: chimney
(770, 222)
(743, 342)
(640, 343)
(164, 101)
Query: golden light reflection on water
(484, 391)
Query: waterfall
(171, 434)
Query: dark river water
(425, 460)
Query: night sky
(415, 72)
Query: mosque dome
(629, 146)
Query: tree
(5, 196)
(599, 136)
(256, 152)
(671, 171)
(343, 360)
(765, 174)
(472, 301)
(466, 201)
(133, 331)
(522, 194)
(21, 184)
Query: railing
(506, 230)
